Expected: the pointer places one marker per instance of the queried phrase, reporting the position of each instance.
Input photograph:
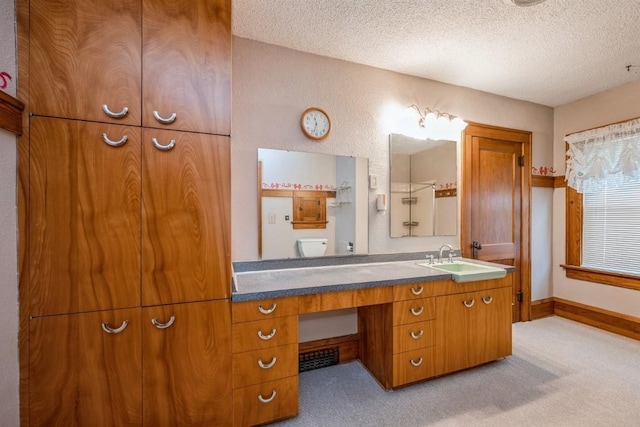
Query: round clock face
(315, 123)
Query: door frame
(523, 138)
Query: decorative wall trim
(542, 181)
(628, 326)
(348, 346)
(559, 182)
(451, 192)
(11, 113)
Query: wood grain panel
(376, 333)
(84, 217)
(278, 362)
(186, 218)
(187, 366)
(413, 336)
(248, 410)
(187, 64)
(11, 113)
(405, 370)
(372, 296)
(80, 375)
(251, 310)
(83, 54)
(348, 346)
(246, 336)
(326, 301)
(414, 311)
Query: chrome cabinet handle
(416, 364)
(417, 312)
(469, 304)
(418, 335)
(268, 365)
(117, 115)
(163, 325)
(488, 300)
(113, 143)
(161, 119)
(108, 329)
(167, 147)
(268, 399)
(267, 337)
(267, 310)
(417, 291)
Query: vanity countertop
(282, 282)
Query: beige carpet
(562, 373)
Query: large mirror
(311, 196)
(423, 176)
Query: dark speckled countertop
(254, 280)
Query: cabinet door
(81, 375)
(187, 364)
(186, 217)
(85, 54)
(472, 328)
(187, 65)
(84, 225)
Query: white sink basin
(462, 271)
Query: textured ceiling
(550, 54)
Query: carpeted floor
(562, 373)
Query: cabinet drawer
(265, 402)
(413, 291)
(263, 365)
(413, 336)
(413, 311)
(263, 309)
(267, 333)
(413, 366)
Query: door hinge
(520, 296)
(521, 161)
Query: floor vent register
(318, 359)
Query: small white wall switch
(272, 218)
(373, 182)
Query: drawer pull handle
(417, 291)
(417, 312)
(113, 143)
(161, 119)
(416, 364)
(487, 300)
(267, 337)
(418, 335)
(267, 310)
(117, 115)
(268, 365)
(167, 147)
(163, 325)
(108, 329)
(268, 399)
(469, 304)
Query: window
(603, 205)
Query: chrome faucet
(450, 253)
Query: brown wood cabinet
(153, 63)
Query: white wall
(9, 374)
(608, 107)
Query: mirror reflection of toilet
(312, 246)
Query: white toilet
(312, 246)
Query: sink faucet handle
(451, 256)
(430, 256)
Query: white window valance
(605, 157)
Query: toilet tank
(312, 246)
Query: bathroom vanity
(414, 323)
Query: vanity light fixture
(437, 123)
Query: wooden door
(495, 209)
(84, 228)
(187, 65)
(80, 375)
(185, 217)
(84, 54)
(187, 364)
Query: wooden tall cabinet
(128, 254)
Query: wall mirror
(310, 195)
(423, 196)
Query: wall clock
(315, 123)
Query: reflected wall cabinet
(128, 216)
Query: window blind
(611, 229)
